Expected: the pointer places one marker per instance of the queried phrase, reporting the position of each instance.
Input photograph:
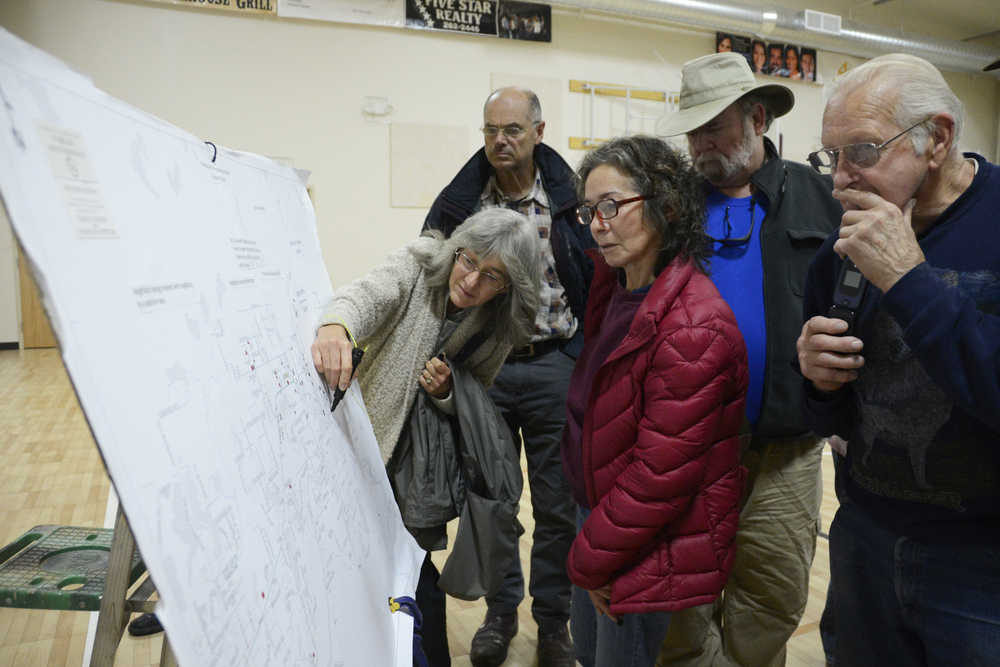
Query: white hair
(920, 92)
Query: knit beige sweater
(395, 314)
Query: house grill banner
(242, 6)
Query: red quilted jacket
(661, 448)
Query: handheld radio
(847, 295)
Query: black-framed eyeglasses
(862, 155)
(605, 209)
(490, 279)
(512, 131)
(728, 239)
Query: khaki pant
(766, 594)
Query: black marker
(338, 393)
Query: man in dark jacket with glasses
(766, 217)
(515, 169)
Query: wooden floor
(52, 474)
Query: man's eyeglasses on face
(512, 131)
(490, 279)
(860, 155)
(605, 209)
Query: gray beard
(718, 168)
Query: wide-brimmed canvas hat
(711, 83)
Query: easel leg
(113, 616)
(167, 658)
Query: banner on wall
(789, 61)
(500, 18)
(477, 17)
(509, 19)
(242, 6)
(524, 20)
(371, 12)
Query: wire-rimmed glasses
(512, 131)
(490, 279)
(865, 154)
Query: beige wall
(294, 89)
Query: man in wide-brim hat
(766, 217)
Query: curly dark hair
(676, 208)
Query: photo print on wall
(790, 61)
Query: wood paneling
(35, 326)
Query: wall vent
(822, 22)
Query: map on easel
(183, 283)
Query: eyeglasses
(604, 209)
(727, 240)
(493, 281)
(860, 155)
(512, 131)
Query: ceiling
(973, 22)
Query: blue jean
(828, 622)
(432, 602)
(600, 642)
(531, 395)
(901, 601)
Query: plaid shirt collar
(494, 196)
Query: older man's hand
(827, 357)
(878, 237)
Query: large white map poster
(184, 292)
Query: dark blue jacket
(569, 239)
(947, 311)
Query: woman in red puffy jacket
(655, 407)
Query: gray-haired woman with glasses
(654, 409)
(471, 296)
(432, 295)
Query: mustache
(713, 156)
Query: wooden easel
(117, 605)
(35, 575)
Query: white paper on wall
(184, 293)
(419, 154)
(372, 12)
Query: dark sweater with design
(923, 418)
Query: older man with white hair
(915, 386)
(766, 217)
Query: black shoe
(147, 624)
(489, 645)
(555, 649)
